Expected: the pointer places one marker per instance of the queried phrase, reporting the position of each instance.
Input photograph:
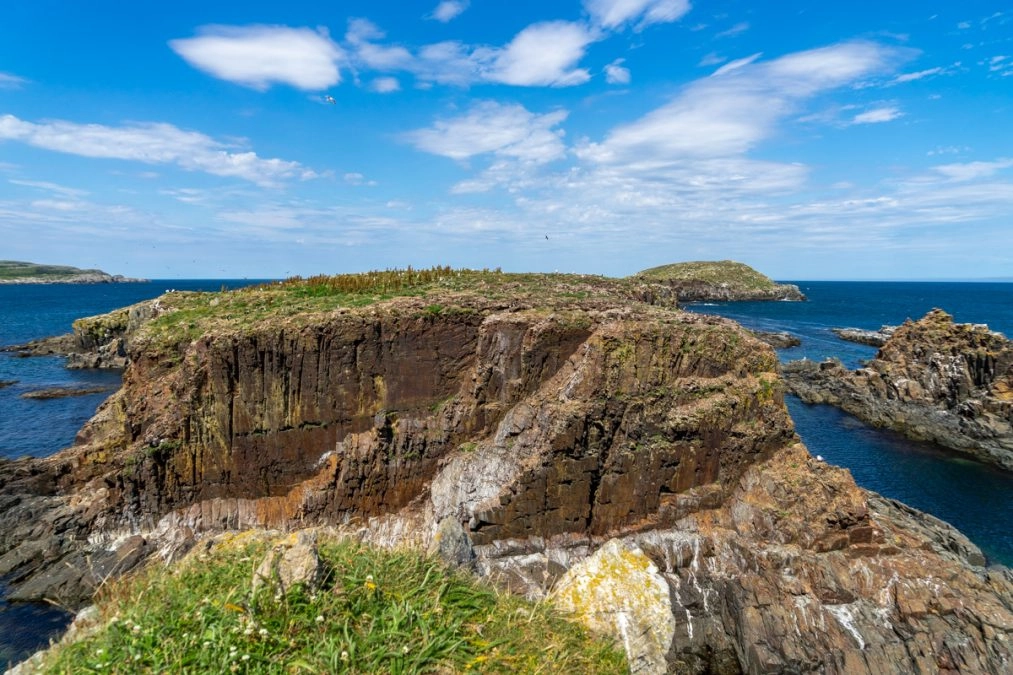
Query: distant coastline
(17, 272)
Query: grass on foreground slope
(377, 612)
(13, 269)
(735, 274)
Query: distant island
(721, 280)
(15, 272)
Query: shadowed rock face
(933, 379)
(545, 432)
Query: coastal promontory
(572, 438)
(15, 272)
(933, 379)
(718, 281)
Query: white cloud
(151, 143)
(8, 81)
(964, 25)
(730, 112)
(911, 77)
(543, 54)
(737, 29)
(385, 85)
(877, 116)
(50, 187)
(973, 170)
(449, 9)
(508, 131)
(259, 56)
(738, 63)
(614, 14)
(711, 59)
(616, 73)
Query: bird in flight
(329, 99)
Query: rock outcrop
(719, 281)
(97, 341)
(874, 338)
(934, 380)
(544, 426)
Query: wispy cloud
(151, 143)
(260, 56)
(919, 75)
(49, 187)
(9, 81)
(449, 9)
(877, 116)
(616, 73)
(973, 170)
(737, 29)
(616, 14)
(385, 85)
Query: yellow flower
(370, 584)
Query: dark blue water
(977, 498)
(42, 427)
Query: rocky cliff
(541, 420)
(15, 272)
(934, 380)
(719, 281)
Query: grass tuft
(377, 612)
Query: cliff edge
(575, 435)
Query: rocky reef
(874, 338)
(933, 379)
(553, 432)
(719, 281)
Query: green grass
(736, 274)
(187, 316)
(13, 269)
(377, 612)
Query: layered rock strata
(529, 434)
(934, 380)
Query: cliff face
(545, 429)
(933, 379)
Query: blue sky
(812, 140)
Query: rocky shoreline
(553, 432)
(89, 278)
(932, 380)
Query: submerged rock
(933, 380)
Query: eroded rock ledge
(933, 380)
(544, 429)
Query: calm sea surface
(976, 498)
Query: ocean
(976, 498)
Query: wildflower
(320, 618)
(233, 650)
(344, 656)
(99, 652)
(137, 628)
(370, 584)
(405, 649)
(207, 643)
(249, 631)
(246, 657)
(263, 632)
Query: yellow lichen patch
(619, 592)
